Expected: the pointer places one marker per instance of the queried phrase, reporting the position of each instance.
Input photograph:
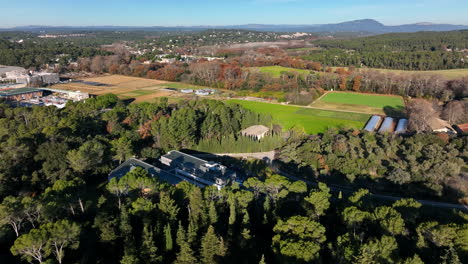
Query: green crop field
(363, 99)
(275, 71)
(313, 121)
(364, 103)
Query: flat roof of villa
(185, 159)
(130, 164)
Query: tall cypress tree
(168, 237)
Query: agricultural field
(312, 121)
(448, 74)
(362, 103)
(125, 87)
(275, 71)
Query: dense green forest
(404, 60)
(57, 206)
(404, 51)
(422, 165)
(419, 41)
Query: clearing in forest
(363, 103)
(312, 121)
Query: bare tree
(420, 113)
(97, 64)
(455, 112)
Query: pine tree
(211, 246)
(262, 260)
(185, 255)
(192, 232)
(232, 210)
(148, 248)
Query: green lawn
(371, 100)
(275, 71)
(313, 121)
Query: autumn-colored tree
(357, 83)
(343, 82)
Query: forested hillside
(420, 41)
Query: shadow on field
(394, 111)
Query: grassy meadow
(312, 121)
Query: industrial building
(20, 94)
(41, 96)
(20, 77)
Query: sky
(223, 12)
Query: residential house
(196, 170)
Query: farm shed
(388, 125)
(202, 92)
(402, 126)
(257, 132)
(373, 123)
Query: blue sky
(222, 12)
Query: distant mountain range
(364, 25)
